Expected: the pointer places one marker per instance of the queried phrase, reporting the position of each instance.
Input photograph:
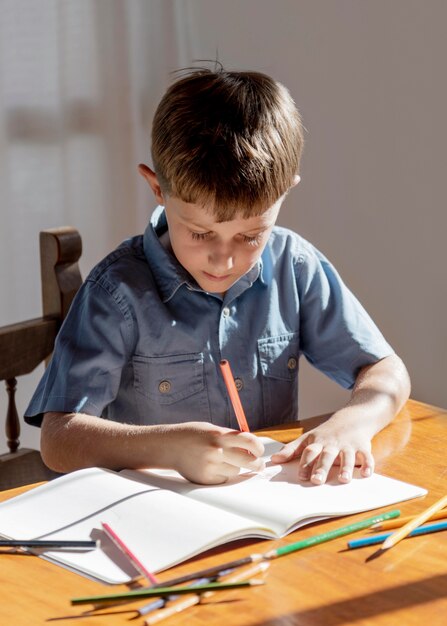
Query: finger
(310, 453)
(347, 462)
(290, 451)
(219, 474)
(308, 457)
(246, 441)
(323, 465)
(240, 459)
(367, 462)
(287, 453)
(305, 471)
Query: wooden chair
(25, 345)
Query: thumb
(287, 453)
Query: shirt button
(292, 363)
(226, 312)
(164, 386)
(239, 383)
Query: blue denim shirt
(142, 341)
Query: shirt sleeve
(91, 349)
(338, 336)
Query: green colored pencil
(331, 534)
(164, 591)
(272, 554)
(253, 558)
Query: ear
(152, 180)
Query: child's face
(216, 254)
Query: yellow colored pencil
(406, 529)
(181, 604)
(397, 523)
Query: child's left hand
(344, 439)
(328, 445)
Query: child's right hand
(208, 454)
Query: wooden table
(323, 585)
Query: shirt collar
(169, 274)
(265, 266)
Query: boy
(135, 380)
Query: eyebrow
(255, 229)
(254, 232)
(196, 225)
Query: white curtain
(79, 82)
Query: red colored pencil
(128, 552)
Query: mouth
(216, 279)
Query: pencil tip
(375, 554)
(264, 566)
(271, 554)
(254, 583)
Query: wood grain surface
(325, 585)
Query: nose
(221, 258)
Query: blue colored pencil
(421, 530)
(161, 602)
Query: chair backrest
(23, 346)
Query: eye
(199, 236)
(253, 241)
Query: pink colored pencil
(128, 552)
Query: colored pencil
(234, 396)
(402, 532)
(163, 591)
(49, 544)
(397, 523)
(128, 552)
(176, 606)
(331, 534)
(162, 602)
(256, 558)
(373, 539)
(210, 571)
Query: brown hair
(229, 139)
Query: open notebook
(165, 519)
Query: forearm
(201, 452)
(379, 393)
(71, 441)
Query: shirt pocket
(279, 359)
(168, 379)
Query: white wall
(369, 79)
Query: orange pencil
(405, 530)
(234, 396)
(176, 606)
(400, 521)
